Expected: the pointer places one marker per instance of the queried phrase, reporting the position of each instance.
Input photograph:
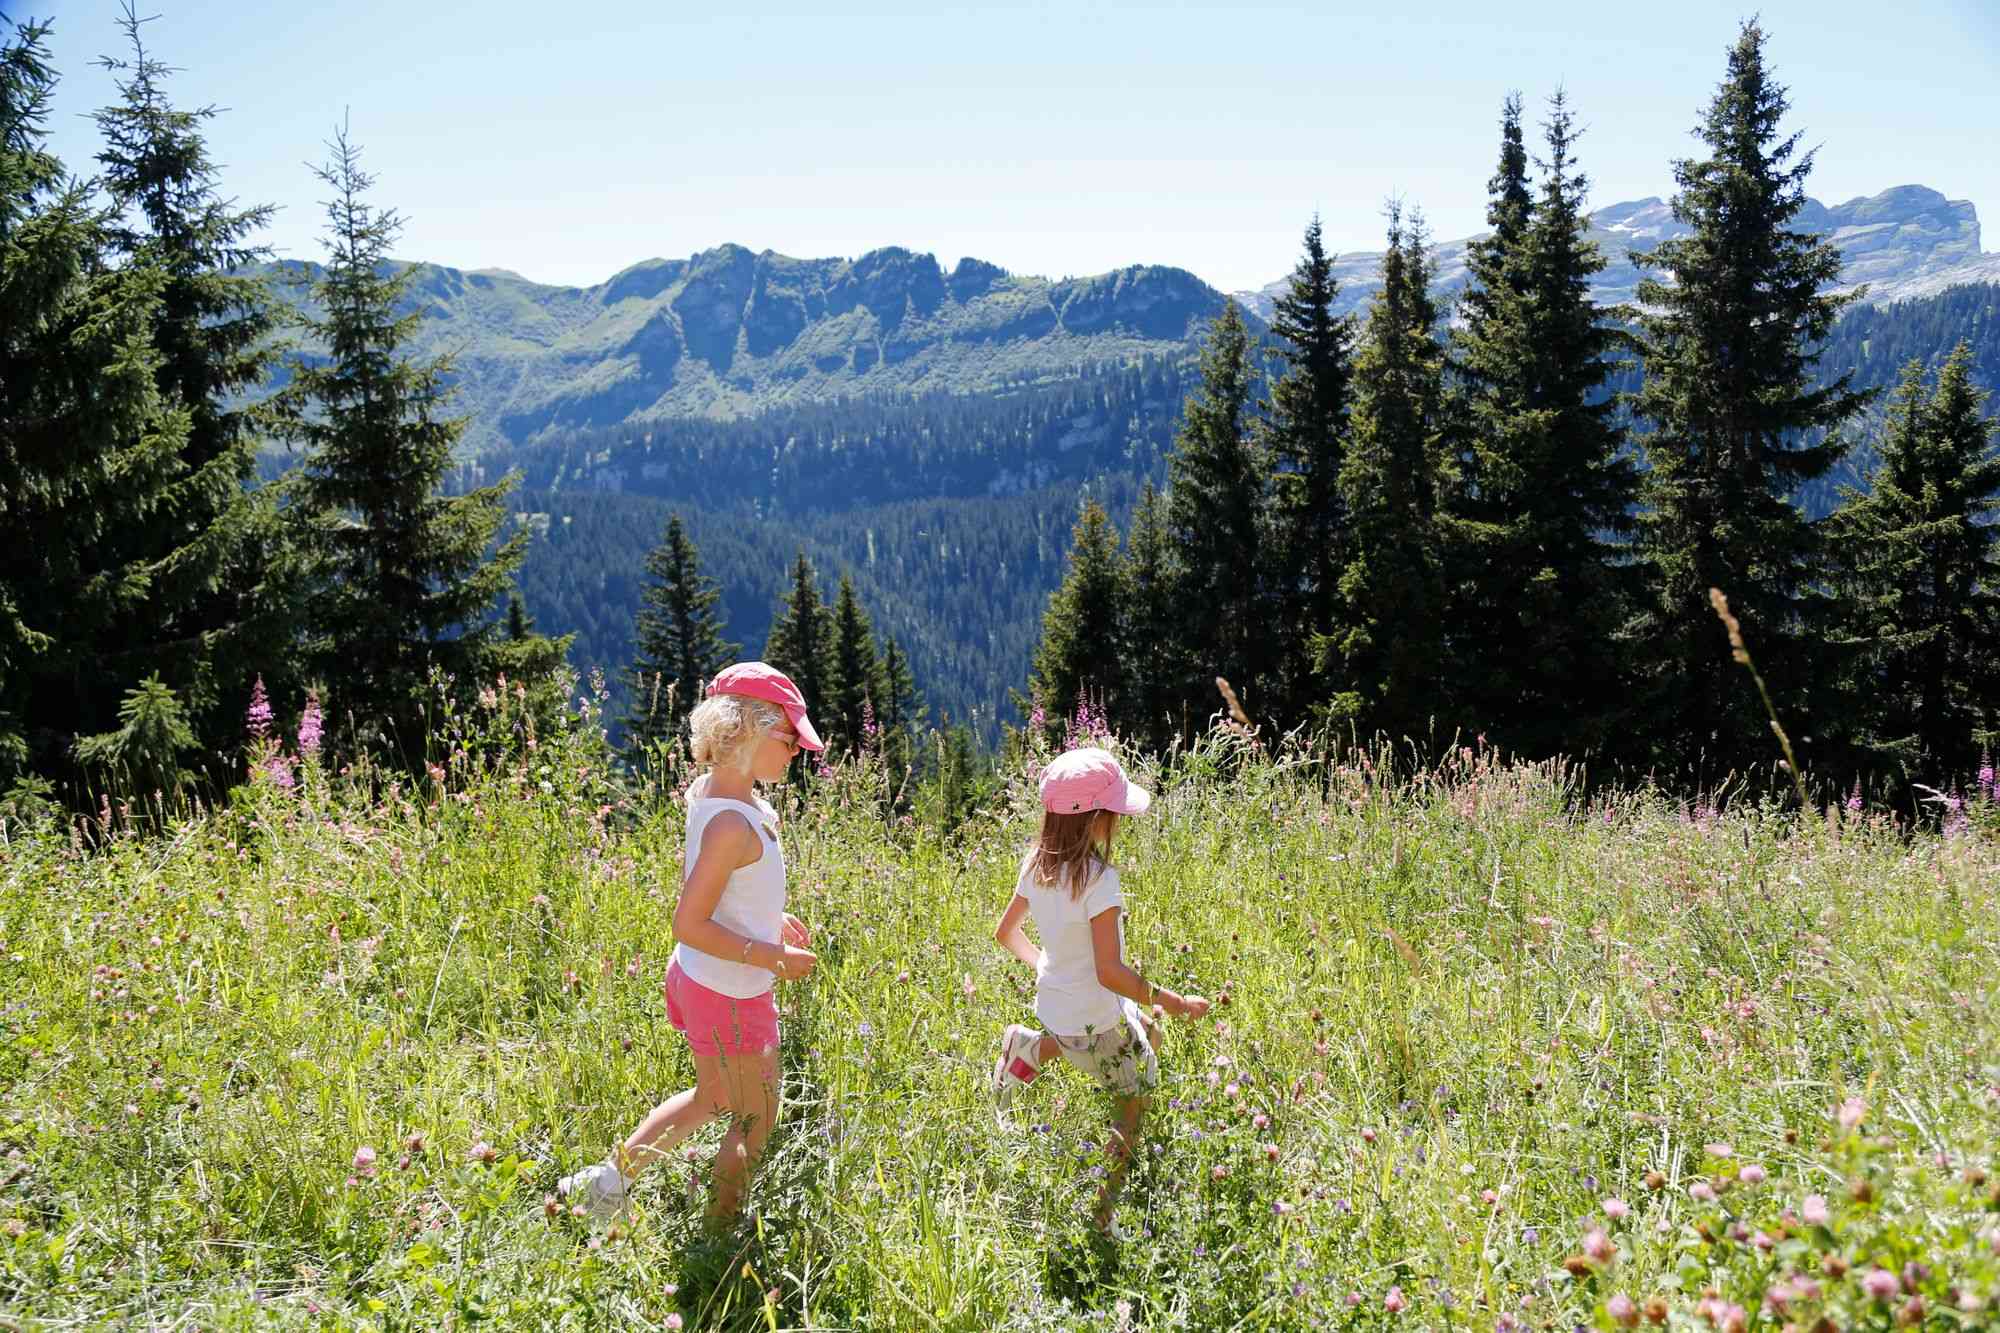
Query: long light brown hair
(1074, 848)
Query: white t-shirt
(1069, 1000)
(752, 902)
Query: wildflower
(364, 1162)
(1218, 1172)
(1751, 1174)
(1368, 1136)
(674, 1321)
(1394, 1302)
(1281, 1208)
(257, 718)
(1854, 798)
(1597, 1247)
(1615, 1209)
(1814, 1210)
(1702, 1191)
(483, 1152)
(1880, 1283)
(310, 726)
(1260, 1120)
(1851, 1113)
(1270, 1152)
(1718, 1150)
(1623, 1313)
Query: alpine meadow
(1548, 683)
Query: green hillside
(727, 334)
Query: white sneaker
(1015, 1068)
(598, 1187)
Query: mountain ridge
(727, 332)
(1903, 242)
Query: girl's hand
(796, 932)
(1193, 1006)
(793, 964)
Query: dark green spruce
(1305, 430)
(403, 582)
(678, 641)
(93, 455)
(1730, 328)
(1389, 650)
(1537, 536)
(855, 681)
(1923, 551)
(801, 642)
(1214, 520)
(1079, 656)
(219, 611)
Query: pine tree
(1151, 697)
(1306, 433)
(855, 679)
(1078, 658)
(1729, 340)
(89, 450)
(1215, 510)
(1925, 587)
(402, 583)
(1390, 647)
(1538, 530)
(801, 641)
(679, 642)
(217, 612)
(900, 714)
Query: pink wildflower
(1597, 1247)
(364, 1162)
(310, 726)
(1623, 1313)
(1814, 1210)
(1751, 1174)
(258, 718)
(1616, 1209)
(1394, 1302)
(1852, 1112)
(1702, 1192)
(1880, 1284)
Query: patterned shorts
(1121, 1060)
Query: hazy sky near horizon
(569, 142)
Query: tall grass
(1457, 1009)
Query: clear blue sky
(566, 142)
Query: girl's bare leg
(750, 1089)
(1124, 1140)
(673, 1120)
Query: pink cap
(760, 680)
(1090, 779)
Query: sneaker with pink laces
(1018, 1063)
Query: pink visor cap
(760, 680)
(1090, 779)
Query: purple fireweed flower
(310, 726)
(258, 717)
(1986, 781)
(1854, 798)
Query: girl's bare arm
(1009, 935)
(1119, 979)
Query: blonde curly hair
(724, 729)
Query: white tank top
(752, 902)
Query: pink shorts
(718, 1024)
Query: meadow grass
(1457, 1008)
